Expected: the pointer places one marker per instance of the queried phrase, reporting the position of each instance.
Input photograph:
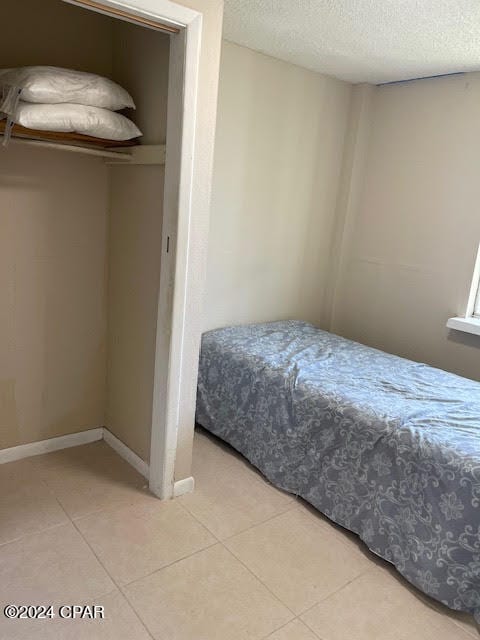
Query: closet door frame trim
(176, 353)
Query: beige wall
(128, 416)
(140, 64)
(135, 231)
(59, 38)
(51, 32)
(279, 143)
(52, 248)
(417, 227)
(52, 294)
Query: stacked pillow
(63, 100)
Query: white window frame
(476, 308)
(473, 306)
(470, 322)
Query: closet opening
(95, 235)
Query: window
(473, 308)
(470, 322)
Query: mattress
(385, 447)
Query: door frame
(172, 347)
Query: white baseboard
(187, 485)
(52, 444)
(181, 487)
(126, 453)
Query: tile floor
(236, 560)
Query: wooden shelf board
(142, 154)
(129, 152)
(70, 142)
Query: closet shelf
(114, 153)
(139, 154)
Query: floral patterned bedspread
(385, 447)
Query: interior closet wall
(135, 237)
(417, 228)
(55, 33)
(58, 35)
(53, 208)
(129, 396)
(278, 154)
(135, 430)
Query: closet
(80, 241)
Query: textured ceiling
(362, 40)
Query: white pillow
(53, 85)
(90, 121)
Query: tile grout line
(166, 566)
(217, 541)
(296, 505)
(310, 629)
(259, 477)
(71, 521)
(121, 588)
(266, 586)
(470, 632)
(286, 625)
(237, 533)
(185, 508)
(111, 509)
(118, 587)
(34, 533)
(279, 629)
(132, 606)
(299, 615)
(262, 522)
(473, 633)
(297, 501)
(96, 556)
(57, 500)
(260, 581)
(281, 601)
(50, 492)
(360, 575)
(220, 542)
(439, 608)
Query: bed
(385, 447)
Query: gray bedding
(385, 447)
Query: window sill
(468, 325)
